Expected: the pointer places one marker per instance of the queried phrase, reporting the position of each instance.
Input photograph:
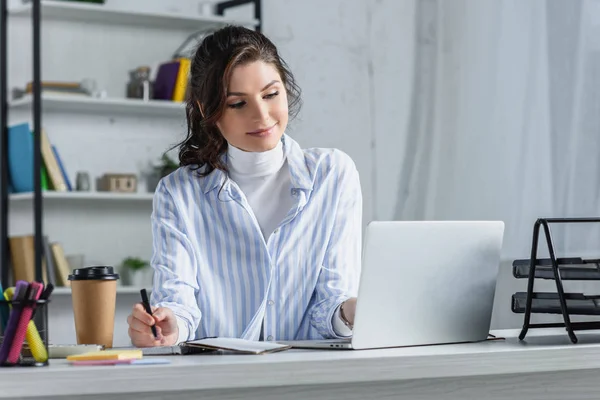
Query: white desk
(542, 367)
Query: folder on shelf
(59, 87)
(22, 257)
(166, 78)
(49, 261)
(181, 83)
(61, 264)
(20, 158)
(54, 171)
(44, 178)
(63, 171)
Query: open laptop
(423, 283)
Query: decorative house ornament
(125, 183)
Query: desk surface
(542, 351)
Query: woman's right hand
(140, 322)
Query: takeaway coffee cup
(94, 293)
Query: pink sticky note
(101, 362)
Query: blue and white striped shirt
(214, 269)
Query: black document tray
(549, 303)
(569, 268)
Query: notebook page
(241, 345)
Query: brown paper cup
(94, 294)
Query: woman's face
(256, 110)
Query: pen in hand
(146, 305)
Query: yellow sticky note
(107, 355)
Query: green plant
(166, 166)
(135, 263)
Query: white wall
(391, 60)
(326, 45)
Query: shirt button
(270, 302)
(294, 192)
(269, 338)
(276, 230)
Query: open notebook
(234, 345)
(237, 345)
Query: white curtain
(505, 118)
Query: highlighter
(21, 290)
(33, 294)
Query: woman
(253, 236)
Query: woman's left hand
(348, 310)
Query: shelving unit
(38, 10)
(66, 103)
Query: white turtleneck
(265, 180)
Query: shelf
(83, 196)
(94, 105)
(60, 10)
(61, 291)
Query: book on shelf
(22, 257)
(61, 166)
(20, 158)
(166, 80)
(51, 272)
(76, 89)
(54, 170)
(44, 178)
(62, 264)
(172, 80)
(55, 267)
(20, 161)
(181, 83)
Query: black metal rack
(556, 269)
(3, 144)
(37, 127)
(221, 7)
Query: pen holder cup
(33, 349)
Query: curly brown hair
(211, 67)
